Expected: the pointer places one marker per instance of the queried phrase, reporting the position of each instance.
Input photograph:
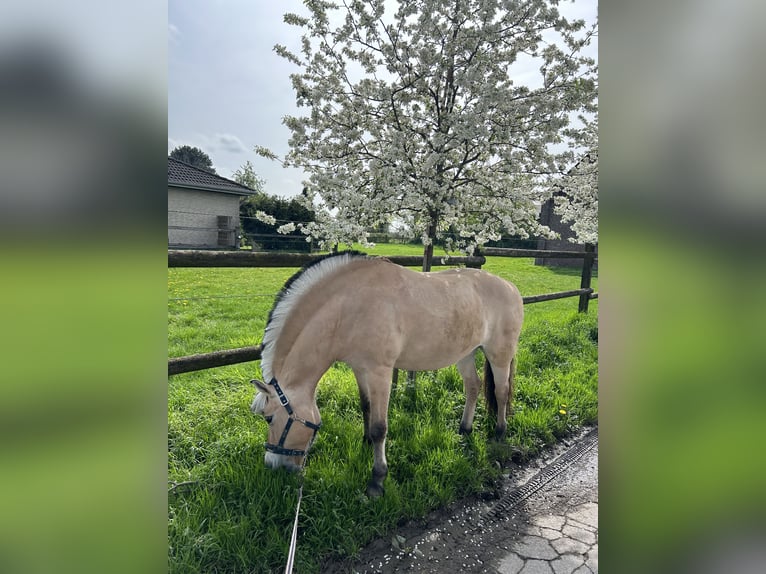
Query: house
(203, 208)
(549, 217)
(586, 167)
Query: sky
(227, 89)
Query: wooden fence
(588, 256)
(192, 258)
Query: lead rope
(294, 537)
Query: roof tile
(184, 175)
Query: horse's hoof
(375, 490)
(463, 430)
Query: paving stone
(592, 559)
(579, 534)
(586, 513)
(536, 567)
(583, 570)
(511, 564)
(578, 524)
(566, 564)
(549, 521)
(550, 534)
(534, 547)
(570, 546)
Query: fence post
(477, 252)
(587, 269)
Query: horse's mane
(291, 293)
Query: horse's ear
(260, 386)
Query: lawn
(234, 515)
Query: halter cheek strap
(279, 448)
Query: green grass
(238, 515)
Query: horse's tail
(489, 388)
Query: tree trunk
(428, 251)
(428, 255)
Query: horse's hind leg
(471, 383)
(374, 387)
(502, 367)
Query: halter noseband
(279, 448)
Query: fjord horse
(377, 316)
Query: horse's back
(425, 321)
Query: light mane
(298, 285)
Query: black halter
(279, 448)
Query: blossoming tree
(419, 115)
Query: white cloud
(229, 143)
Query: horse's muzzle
(274, 461)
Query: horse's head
(290, 435)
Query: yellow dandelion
(562, 412)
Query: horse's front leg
(375, 386)
(380, 465)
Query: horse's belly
(429, 355)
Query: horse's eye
(268, 419)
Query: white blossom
(417, 116)
(286, 228)
(265, 217)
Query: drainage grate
(510, 500)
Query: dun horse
(376, 316)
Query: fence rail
(537, 253)
(560, 295)
(202, 361)
(199, 258)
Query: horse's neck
(305, 349)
